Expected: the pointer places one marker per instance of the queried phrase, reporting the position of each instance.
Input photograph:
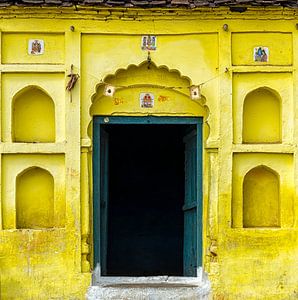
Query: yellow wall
(33, 117)
(34, 199)
(261, 206)
(52, 260)
(261, 117)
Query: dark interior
(146, 194)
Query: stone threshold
(151, 281)
(150, 288)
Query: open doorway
(148, 189)
(146, 195)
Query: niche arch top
(34, 199)
(261, 203)
(33, 116)
(262, 117)
(169, 87)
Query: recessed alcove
(35, 199)
(261, 117)
(33, 116)
(261, 207)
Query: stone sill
(150, 288)
(151, 281)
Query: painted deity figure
(36, 47)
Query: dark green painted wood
(100, 189)
(96, 194)
(190, 246)
(100, 196)
(147, 120)
(200, 193)
(104, 197)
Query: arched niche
(261, 198)
(262, 117)
(33, 116)
(169, 87)
(35, 199)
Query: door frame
(98, 121)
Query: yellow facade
(250, 251)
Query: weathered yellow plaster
(33, 117)
(260, 127)
(16, 84)
(243, 43)
(261, 198)
(281, 85)
(14, 43)
(34, 199)
(193, 48)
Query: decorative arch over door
(172, 105)
(170, 89)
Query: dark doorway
(146, 196)
(147, 205)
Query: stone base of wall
(150, 288)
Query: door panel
(190, 206)
(104, 197)
(100, 198)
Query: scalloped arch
(110, 77)
(130, 81)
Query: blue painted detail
(193, 187)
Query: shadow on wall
(261, 117)
(35, 199)
(261, 198)
(33, 116)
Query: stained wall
(250, 139)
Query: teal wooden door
(192, 248)
(104, 198)
(101, 197)
(192, 245)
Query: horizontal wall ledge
(32, 147)
(40, 68)
(267, 148)
(212, 145)
(86, 143)
(263, 69)
(255, 234)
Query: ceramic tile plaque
(149, 42)
(36, 47)
(146, 100)
(261, 54)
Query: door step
(150, 288)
